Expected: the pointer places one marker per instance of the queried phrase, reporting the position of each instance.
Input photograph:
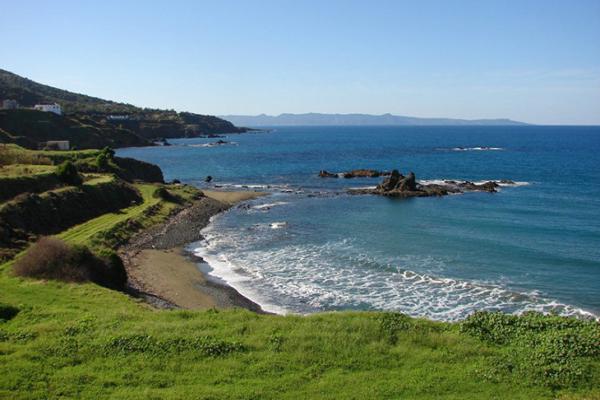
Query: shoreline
(167, 275)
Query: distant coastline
(316, 119)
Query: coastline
(166, 275)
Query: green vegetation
(68, 174)
(88, 121)
(83, 340)
(29, 128)
(51, 258)
(42, 202)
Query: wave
(213, 144)
(306, 278)
(500, 182)
(268, 206)
(482, 148)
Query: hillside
(357, 120)
(29, 127)
(88, 337)
(134, 126)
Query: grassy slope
(85, 341)
(81, 234)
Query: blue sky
(535, 61)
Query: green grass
(83, 341)
(82, 234)
(16, 170)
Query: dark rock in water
(408, 183)
(208, 178)
(175, 181)
(364, 173)
(489, 186)
(391, 182)
(507, 182)
(325, 174)
(398, 185)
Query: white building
(53, 108)
(55, 145)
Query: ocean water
(309, 246)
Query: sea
(309, 246)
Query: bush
(554, 351)
(7, 312)
(164, 194)
(68, 174)
(51, 258)
(104, 158)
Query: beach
(166, 275)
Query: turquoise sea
(309, 246)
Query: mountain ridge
(357, 119)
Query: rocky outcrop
(398, 185)
(326, 174)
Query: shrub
(554, 351)
(51, 258)
(7, 312)
(104, 158)
(68, 174)
(390, 323)
(164, 194)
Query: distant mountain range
(316, 119)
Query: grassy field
(83, 341)
(81, 234)
(24, 169)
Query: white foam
(278, 225)
(479, 148)
(269, 205)
(213, 144)
(334, 275)
(480, 182)
(227, 272)
(363, 187)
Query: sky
(532, 61)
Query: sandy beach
(160, 269)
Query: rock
(408, 183)
(208, 178)
(325, 174)
(489, 186)
(175, 181)
(397, 185)
(507, 182)
(390, 182)
(364, 173)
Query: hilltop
(317, 119)
(91, 122)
